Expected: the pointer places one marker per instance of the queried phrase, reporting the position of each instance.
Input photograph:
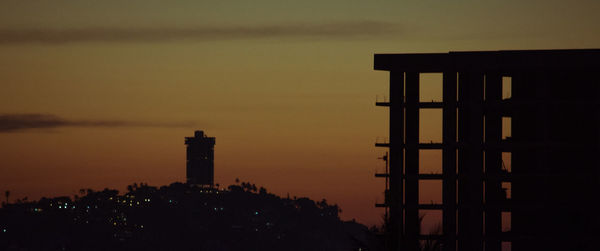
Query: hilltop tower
(200, 165)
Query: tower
(200, 168)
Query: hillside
(179, 217)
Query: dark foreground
(179, 217)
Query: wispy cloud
(340, 30)
(22, 122)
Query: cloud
(22, 122)
(340, 30)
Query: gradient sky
(286, 87)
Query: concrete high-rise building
(200, 165)
(548, 101)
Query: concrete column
(449, 161)
(493, 162)
(470, 161)
(412, 161)
(396, 160)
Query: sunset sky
(286, 87)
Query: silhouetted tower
(552, 111)
(200, 165)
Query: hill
(179, 217)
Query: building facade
(200, 156)
(553, 113)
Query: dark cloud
(203, 33)
(22, 122)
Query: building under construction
(552, 109)
(200, 159)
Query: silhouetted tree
(262, 190)
(430, 244)
(322, 204)
(7, 194)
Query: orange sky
(287, 89)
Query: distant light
(256, 213)
(4, 230)
(170, 201)
(59, 207)
(142, 226)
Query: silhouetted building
(200, 164)
(549, 99)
